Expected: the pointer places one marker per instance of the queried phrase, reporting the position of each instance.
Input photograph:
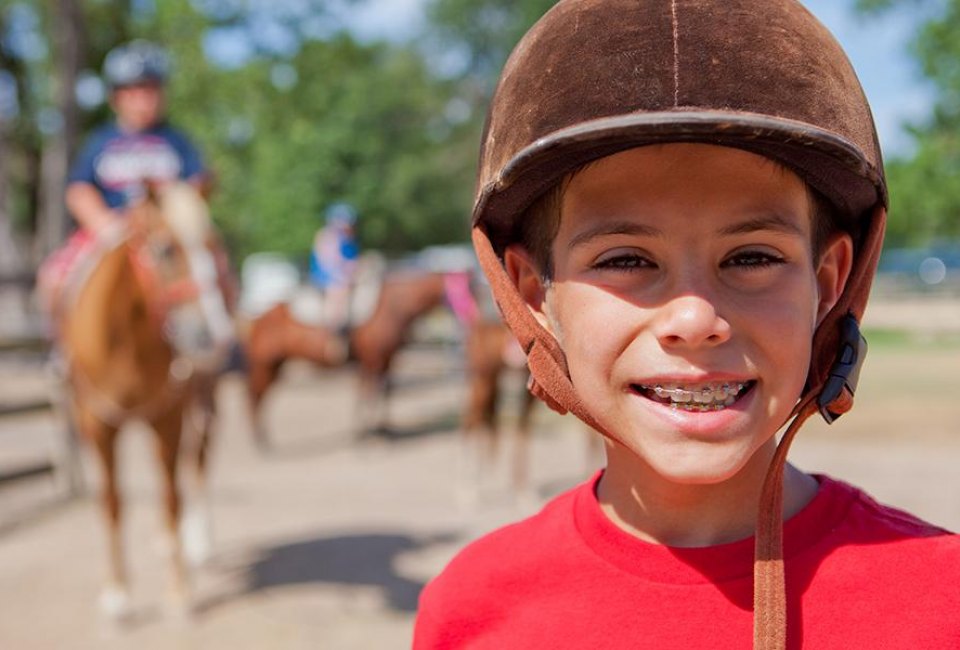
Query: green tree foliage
(484, 31)
(359, 125)
(295, 124)
(467, 43)
(925, 187)
(287, 135)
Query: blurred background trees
(293, 113)
(925, 185)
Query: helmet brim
(829, 163)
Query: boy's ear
(528, 280)
(836, 261)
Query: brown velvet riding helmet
(596, 77)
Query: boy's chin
(711, 466)
(699, 475)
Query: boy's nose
(690, 321)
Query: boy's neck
(645, 505)
(128, 127)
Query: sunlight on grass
(903, 339)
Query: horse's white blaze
(188, 216)
(203, 270)
(186, 213)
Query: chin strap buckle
(836, 398)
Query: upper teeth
(719, 393)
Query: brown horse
(276, 337)
(142, 336)
(491, 352)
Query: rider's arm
(87, 206)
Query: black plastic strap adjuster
(836, 398)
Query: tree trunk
(13, 297)
(10, 259)
(60, 142)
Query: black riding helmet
(134, 63)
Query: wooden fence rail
(63, 457)
(24, 279)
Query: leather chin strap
(549, 376)
(830, 390)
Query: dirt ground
(326, 542)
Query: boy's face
(685, 295)
(139, 106)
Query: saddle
(313, 307)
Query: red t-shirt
(859, 575)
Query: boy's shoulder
(532, 536)
(871, 533)
(495, 561)
(866, 518)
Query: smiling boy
(680, 208)
(706, 299)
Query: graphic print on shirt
(125, 163)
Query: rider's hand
(89, 209)
(106, 221)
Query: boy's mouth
(714, 396)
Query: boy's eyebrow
(624, 227)
(775, 222)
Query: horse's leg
(370, 415)
(196, 530)
(384, 387)
(477, 426)
(262, 374)
(168, 428)
(521, 452)
(115, 597)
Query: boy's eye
(753, 260)
(624, 262)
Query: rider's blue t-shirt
(118, 163)
(332, 270)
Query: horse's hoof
(115, 604)
(196, 537)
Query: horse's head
(176, 261)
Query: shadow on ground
(349, 560)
